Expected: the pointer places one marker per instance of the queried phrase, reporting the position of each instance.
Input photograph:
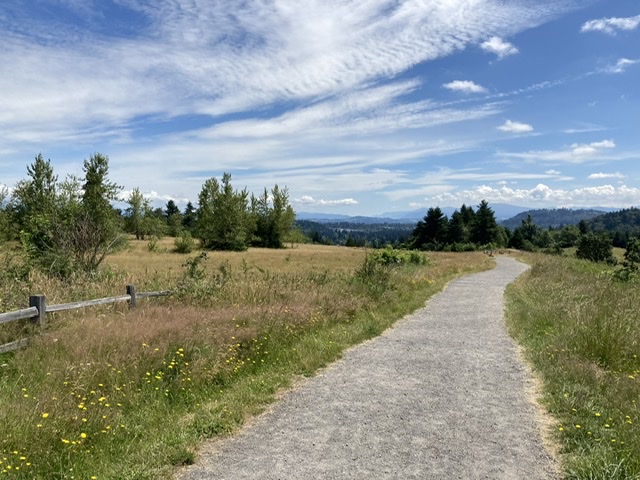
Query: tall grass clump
(113, 393)
(580, 328)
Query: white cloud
(498, 46)
(585, 129)
(153, 197)
(576, 153)
(216, 58)
(543, 195)
(611, 25)
(599, 176)
(591, 148)
(620, 66)
(466, 86)
(552, 172)
(441, 181)
(308, 200)
(515, 127)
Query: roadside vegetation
(579, 323)
(112, 393)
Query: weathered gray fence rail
(38, 309)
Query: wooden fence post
(131, 291)
(40, 302)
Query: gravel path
(439, 396)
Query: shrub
(596, 247)
(184, 243)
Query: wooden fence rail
(38, 309)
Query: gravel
(440, 395)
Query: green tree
(33, 208)
(431, 232)
(173, 218)
(5, 222)
(137, 214)
(171, 209)
(457, 231)
(596, 247)
(568, 236)
(528, 236)
(484, 229)
(189, 218)
(96, 231)
(223, 217)
(271, 217)
(468, 215)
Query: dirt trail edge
(441, 395)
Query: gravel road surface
(441, 395)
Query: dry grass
(117, 393)
(138, 261)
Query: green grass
(117, 394)
(581, 331)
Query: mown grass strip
(581, 331)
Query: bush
(376, 268)
(184, 243)
(596, 247)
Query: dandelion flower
(45, 415)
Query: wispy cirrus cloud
(611, 25)
(620, 66)
(465, 86)
(515, 127)
(499, 46)
(214, 59)
(600, 176)
(576, 153)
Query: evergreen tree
(485, 228)
(33, 208)
(70, 226)
(431, 232)
(171, 209)
(96, 231)
(189, 218)
(173, 218)
(458, 230)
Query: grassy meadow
(581, 331)
(112, 393)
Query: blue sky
(358, 107)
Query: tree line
(470, 229)
(71, 225)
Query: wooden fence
(38, 309)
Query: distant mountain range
(554, 218)
(510, 216)
(502, 211)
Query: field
(109, 392)
(581, 331)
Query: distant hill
(555, 218)
(624, 221)
(502, 211)
(355, 234)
